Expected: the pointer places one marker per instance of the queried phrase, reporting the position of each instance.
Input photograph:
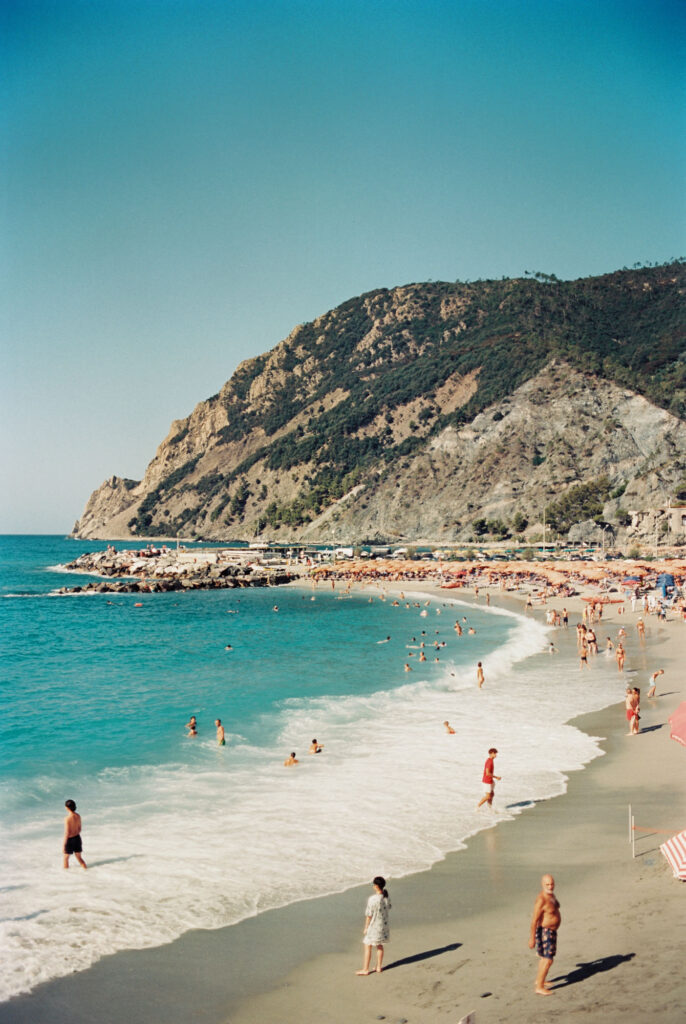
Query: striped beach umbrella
(675, 852)
(677, 724)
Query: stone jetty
(158, 570)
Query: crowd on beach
(546, 916)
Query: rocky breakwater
(159, 571)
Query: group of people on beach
(546, 917)
(545, 922)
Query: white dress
(378, 931)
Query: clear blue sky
(183, 182)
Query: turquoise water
(93, 680)
(179, 833)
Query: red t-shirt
(488, 771)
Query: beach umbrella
(675, 852)
(677, 722)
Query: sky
(184, 181)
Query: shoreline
(289, 964)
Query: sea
(180, 833)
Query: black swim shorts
(73, 845)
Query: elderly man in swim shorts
(544, 925)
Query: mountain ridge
(392, 381)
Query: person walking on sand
(544, 925)
(637, 708)
(653, 682)
(489, 779)
(479, 674)
(221, 739)
(631, 702)
(376, 929)
(72, 835)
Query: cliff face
(412, 413)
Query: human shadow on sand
(524, 803)
(112, 860)
(426, 955)
(584, 971)
(650, 728)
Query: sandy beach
(459, 931)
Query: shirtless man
(479, 674)
(653, 682)
(544, 925)
(72, 835)
(291, 759)
(221, 740)
(316, 748)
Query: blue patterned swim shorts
(546, 942)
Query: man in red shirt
(488, 780)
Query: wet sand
(459, 930)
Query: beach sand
(459, 932)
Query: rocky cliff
(417, 412)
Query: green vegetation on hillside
(388, 348)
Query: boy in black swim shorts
(72, 835)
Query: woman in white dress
(376, 929)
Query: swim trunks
(630, 714)
(222, 743)
(73, 845)
(546, 942)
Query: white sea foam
(234, 833)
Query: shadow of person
(426, 955)
(112, 860)
(584, 971)
(650, 728)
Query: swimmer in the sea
(220, 732)
(291, 759)
(316, 748)
(383, 641)
(192, 726)
(449, 729)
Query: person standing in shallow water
(376, 929)
(72, 835)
